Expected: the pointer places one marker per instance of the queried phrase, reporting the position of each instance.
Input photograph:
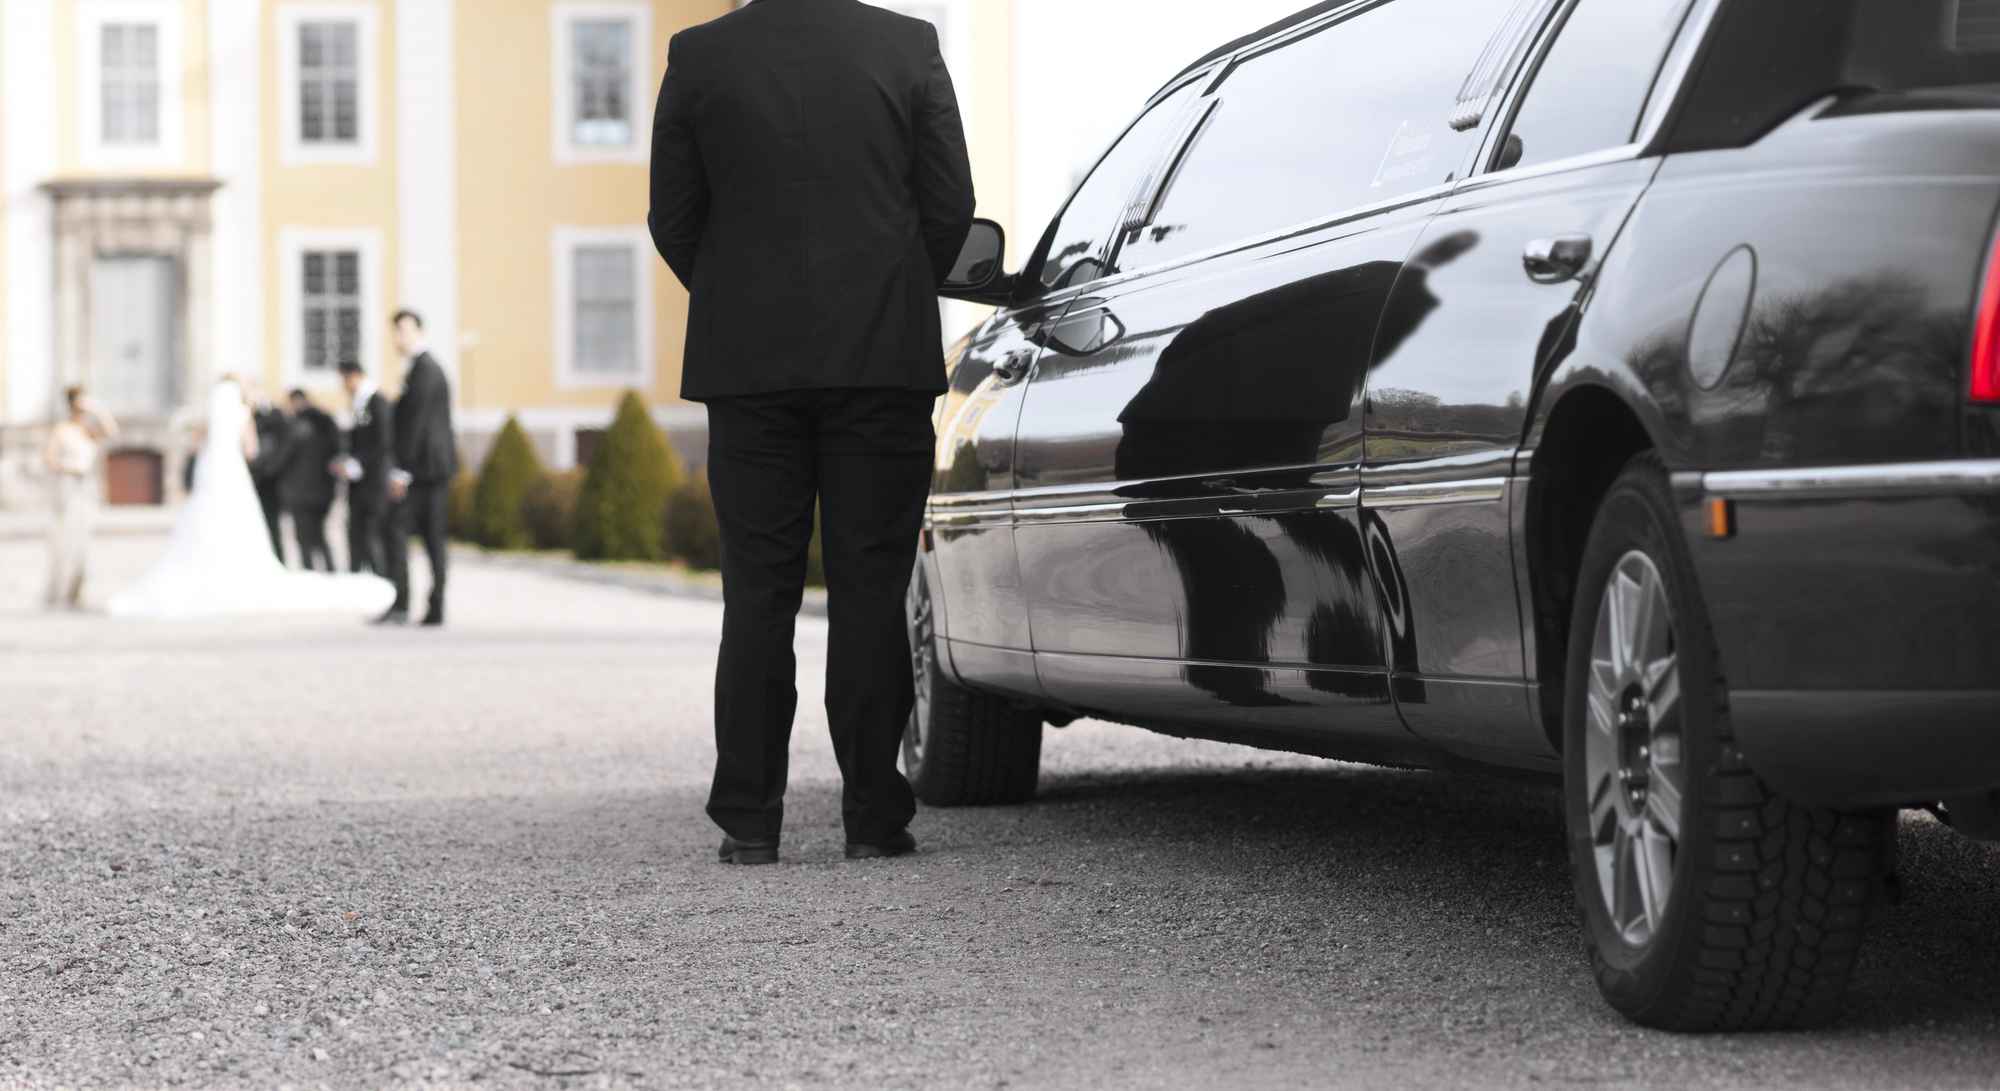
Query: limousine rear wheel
(1712, 902)
(962, 747)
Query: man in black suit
(426, 459)
(811, 189)
(305, 485)
(365, 467)
(265, 470)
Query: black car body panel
(1305, 491)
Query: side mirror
(980, 274)
(1510, 153)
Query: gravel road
(304, 853)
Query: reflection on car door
(1189, 449)
(1501, 273)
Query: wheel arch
(1581, 443)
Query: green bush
(509, 472)
(550, 511)
(621, 511)
(692, 534)
(458, 517)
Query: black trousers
(309, 528)
(267, 498)
(425, 511)
(865, 457)
(365, 524)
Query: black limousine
(1608, 389)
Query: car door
(1189, 448)
(1500, 275)
(982, 609)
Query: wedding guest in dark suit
(306, 485)
(810, 186)
(365, 467)
(426, 459)
(268, 467)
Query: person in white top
(71, 457)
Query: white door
(132, 333)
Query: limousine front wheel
(962, 747)
(1712, 902)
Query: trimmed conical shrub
(621, 513)
(509, 473)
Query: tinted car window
(1354, 114)
(1593, 82)
(1903, 44)
(1074, 247)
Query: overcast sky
(1085, 67)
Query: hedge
(458, 517)
(621, 510)
(505, 479)
(550, 510)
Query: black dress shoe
(899, 843)
(747, 852)
(433, 620)
(393, 617)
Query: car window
(1352, 115)
(1074, 246)
(1902, 44)
(1592, 84)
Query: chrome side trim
(1424, 494)
(1339, 499)
(1074, 513)
(1856, 482)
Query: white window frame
(565, 243)
(646, 71)
(294, 151)
(166, 19)
(293, 243)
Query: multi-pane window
(129, 71)
(329, 82)
(601, 82)
(606, 302)
(330, 302)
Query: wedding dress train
(219, 560)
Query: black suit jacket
(273, 433)
(811, 189)
(371, 442)
(311, 444)
(426, 447)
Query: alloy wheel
(1633, 748)
(922, 653)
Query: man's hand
(398, 488)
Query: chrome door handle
(1552, 261)
(1013, 367)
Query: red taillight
(1986, 335)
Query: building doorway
(132, 336)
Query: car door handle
(1552, 261)
(1013, 367)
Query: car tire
(962, 747)
(1765, 900)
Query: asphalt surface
(303, 853)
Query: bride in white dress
(219, 559)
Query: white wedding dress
(219, 559)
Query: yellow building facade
(201, 187)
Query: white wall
(1084, 67)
